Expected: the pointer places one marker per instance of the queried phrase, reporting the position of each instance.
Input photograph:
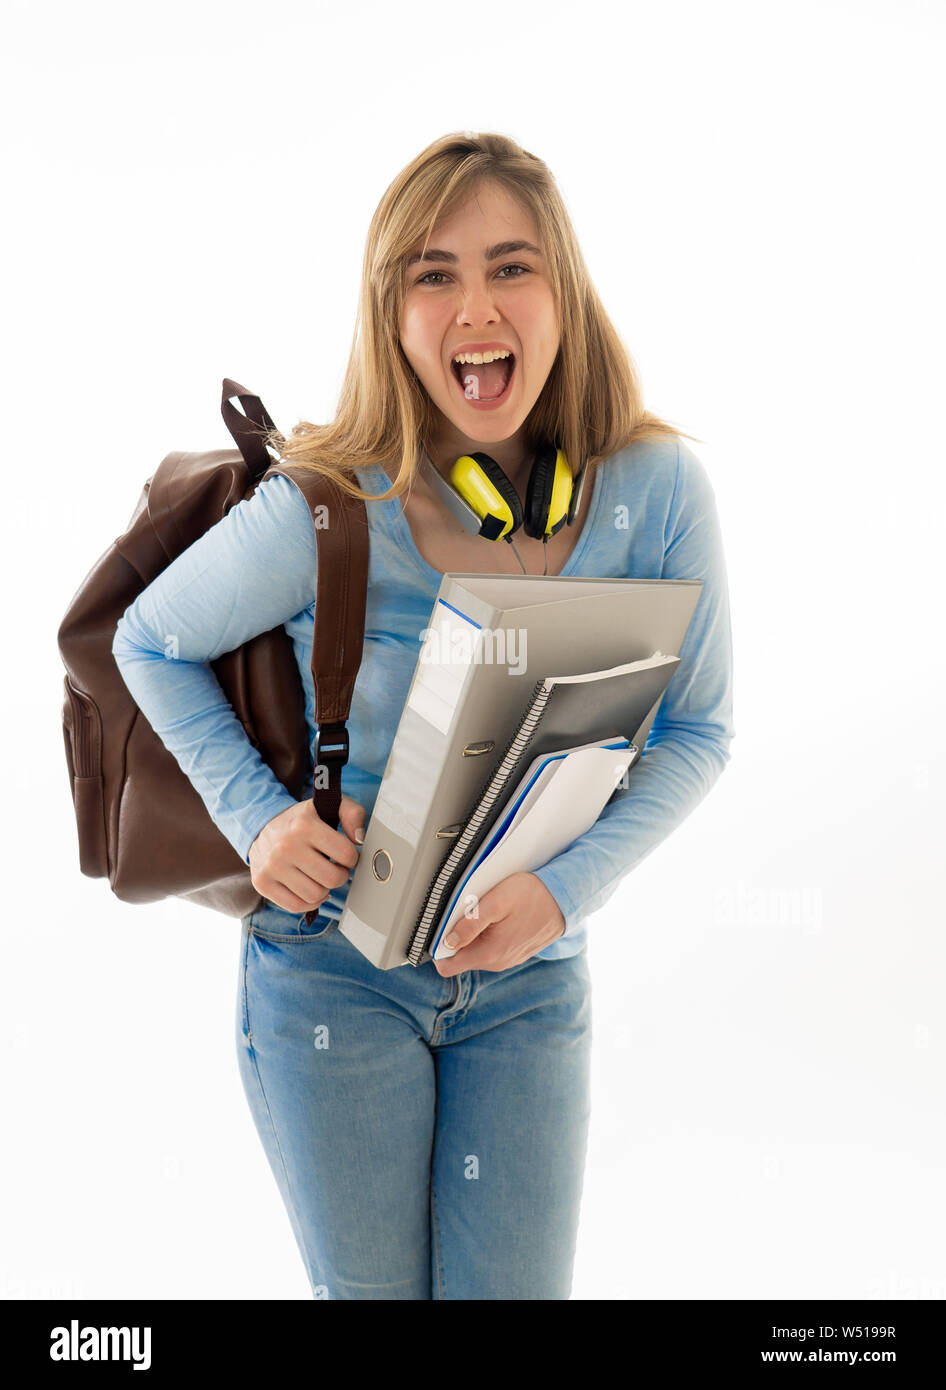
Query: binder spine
(484, 804)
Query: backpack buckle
(336, 737)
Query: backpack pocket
(82, 734)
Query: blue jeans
(427, 1134)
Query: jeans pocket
(272, 923)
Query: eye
(425, 279)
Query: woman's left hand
(506, 926)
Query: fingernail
(360, 834)
(453, 940)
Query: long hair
(591, 403)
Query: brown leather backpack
(141, 823)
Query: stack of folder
(497, 766)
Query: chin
(489, 427)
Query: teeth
(479, 357)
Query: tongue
(491, 378)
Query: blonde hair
(591, 402)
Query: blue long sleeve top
(652, 516)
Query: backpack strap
(247, 429)
(341, 534)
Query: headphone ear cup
(503, 486)
(539, 491)
(550, 485)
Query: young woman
(427, 1126)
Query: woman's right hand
(297, 858)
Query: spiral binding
(496, 784)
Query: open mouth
(489, 381)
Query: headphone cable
(545, 551)
(517, 555)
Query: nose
(477, 306)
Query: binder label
(451, 644)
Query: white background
(757, 191)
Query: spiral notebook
(593, 705)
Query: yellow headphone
(482, 498)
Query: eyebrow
(492, 253)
